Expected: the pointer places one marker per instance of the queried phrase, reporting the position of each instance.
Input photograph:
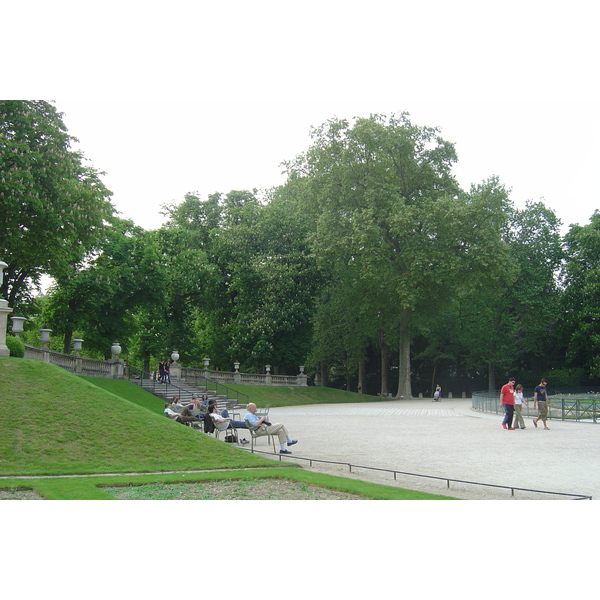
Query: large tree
(388, 208)
(581, 277)
(52, 205)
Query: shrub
(15, 346)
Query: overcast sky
(201, 98)
(176, 97)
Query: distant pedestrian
(507, 399)
(167, 372)
(161, 371)
(518, 422)
(437, 395)
(541, 402)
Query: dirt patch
(19, 494)
(238, 489)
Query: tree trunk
(433, 382)
(67, 341)
(324, 374)
(491, 378)
(404, 387)
(362, 376)
(385, 365)
(146, 367)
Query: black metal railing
(447, 480)
(150, 382)
(582, 408)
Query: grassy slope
(130, 391)
(85, 429)
(43, 432)
(262, 395)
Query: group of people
(164, 371)
(511, 398)
(222, 421)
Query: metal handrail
(396, 472)
(219, 388)
(139, 375)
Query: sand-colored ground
(445, 439)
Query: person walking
(541, 402)
(519, 422)
(437, 395)
(507, 399)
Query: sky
(203, 97)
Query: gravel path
(448, 439)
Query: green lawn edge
(91, 488)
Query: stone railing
(77, 364)
(115, 368)
(245, 378)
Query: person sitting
(262, 427)
(195, 403)
(184, 416)
(213, 410)
(176, 403)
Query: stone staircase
(184, 391)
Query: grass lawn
(262, 395)
(54, 423)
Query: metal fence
(523, 492)
(584, 408)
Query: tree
(100, 299)
(387, 207)
(52, 206)
(581, 278)
(271, 282)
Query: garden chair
(254, 436)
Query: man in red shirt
(507, 399)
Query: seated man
(185, 416)
(260, 426)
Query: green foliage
(392, 227)
(52, 205)
(15, 346)
(581, 303)
(567, 378)
(99, 299)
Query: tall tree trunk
(404, 387)
(67, 341)
(362, 376)
(491, 378)
(433, 382)
(324, 374)
(385, 364)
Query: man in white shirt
(262, 427)
(181, 417)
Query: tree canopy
(52, 205)
(369, 265)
